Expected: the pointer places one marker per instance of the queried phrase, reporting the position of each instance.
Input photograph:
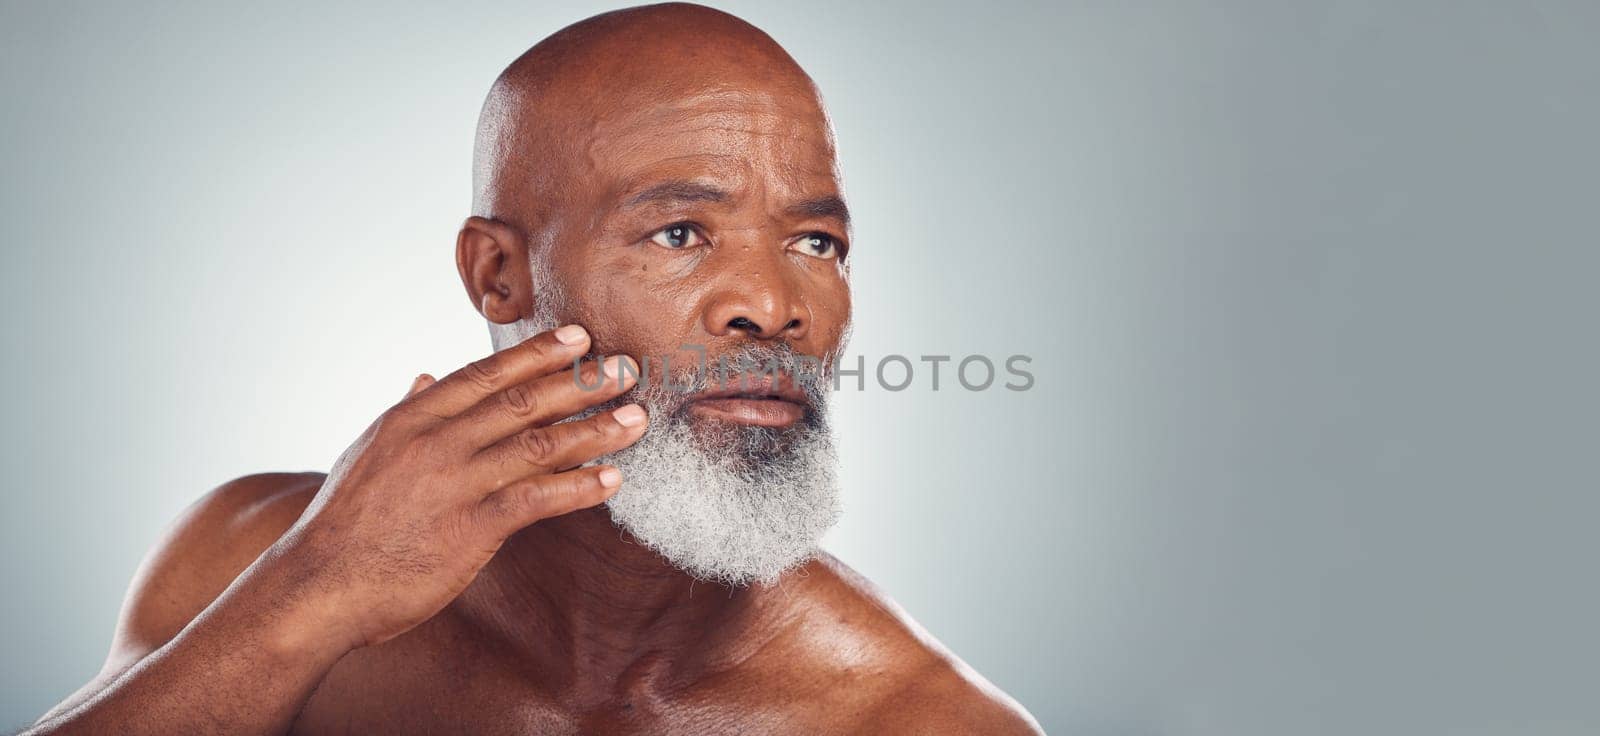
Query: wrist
(296, 611)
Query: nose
(759, 304)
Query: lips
(758, 400)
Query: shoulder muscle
(197, 558)
(201, 553)
(924, 687)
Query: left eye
(818, 245)
(677, 237)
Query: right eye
(678, 236)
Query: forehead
(740, 140)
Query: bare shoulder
(201, 553)
(917, 685)
(198, 557)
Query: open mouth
(760, 401)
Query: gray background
(1309, 288)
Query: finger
(419, 383)
(542, 401)
(549, 449)
(542, 354)
(541, 497)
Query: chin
(728, 502)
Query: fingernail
(611, 477)
(571, 335)
(631, 415)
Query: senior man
(649, 184)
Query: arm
(246, 663)
(401, 526)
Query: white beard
(726, 503)
(721, 517)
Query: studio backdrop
(1307, 291)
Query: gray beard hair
(729, 504)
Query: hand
(430, 491)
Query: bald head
(543, 113)
(621, 126)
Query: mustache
(674, 382)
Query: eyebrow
(682, 190)
(677, 190)
(829, 206)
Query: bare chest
(449, 693)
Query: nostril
(744, 323)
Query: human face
(714, 219)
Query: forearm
(246, 665)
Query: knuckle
(523, 502)
(585, 491)
(589, 373)
(536, 446)
(535, 499)
(537, 350)
(394, 425)
(391, 420)
(504, 505)
(520, 401)
(483, 373)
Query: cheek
(830, 314)
(632, 305)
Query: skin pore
(663, 176)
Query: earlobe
(492, 258)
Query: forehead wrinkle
(724, 172)
(797, 195)
(702, 136)
(722, 96)
(732, 148)
(733, 111)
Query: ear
(493, 260)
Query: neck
(592, 610)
